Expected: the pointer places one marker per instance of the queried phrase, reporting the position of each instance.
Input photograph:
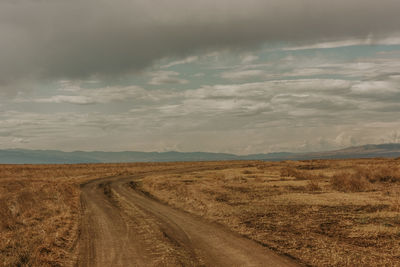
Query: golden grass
(40, 211)
(350, 182)
(316, 211)
(39, 223)
(323, 213)
(40, 208)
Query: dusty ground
(321, 213)
(122, 227)
(40, 209)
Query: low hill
(22, 156)
(366, 151)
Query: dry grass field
(39, 211)
(321, 212)
(40, 208)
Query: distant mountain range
(22, 156)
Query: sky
(227, 76)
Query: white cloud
(262, 90)
(375, 88)
(361, 68)
(249, 58)
(71, 99)
(180, 62)
(242, 74)
(307, 114)
(19, 140)
(166, 77)
(92, 96)
(394, 40)
(291, 107)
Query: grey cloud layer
(94, 96)
(79, 39)
(303, 115)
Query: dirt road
(123, 227)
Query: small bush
(313, 185)
(396, 204)
(292, 172)
(349, 182)
(288, 171)
(8, 220)
(375, 174)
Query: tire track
(123, 227)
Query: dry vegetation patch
(39, 223)
(40, 210)
(40, 207)
(324, 213)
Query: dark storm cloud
(54, 39)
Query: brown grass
(350, 182)
(323, 213)
(40, 225)
(40, 208)
(299, 172)
(373, 173)
(313, 185)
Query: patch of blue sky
(348, 52)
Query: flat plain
(315, 213)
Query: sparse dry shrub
(289, 171)
(298, 174)
(222, 197)
(314, 165)
(247, 172)
(379, 173)
(7, 221)
(302, 175)
(313, 185)
(219, 176)
(251, 165)
(350, 182)
(396, 204)
(239, 179)
(261, 166)
(387, 174)
(258, 179)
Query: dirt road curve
(123, 227)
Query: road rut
(123, 227)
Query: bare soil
(124, 227)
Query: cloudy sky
(232, 76)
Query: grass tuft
(350, 182)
